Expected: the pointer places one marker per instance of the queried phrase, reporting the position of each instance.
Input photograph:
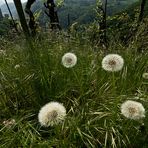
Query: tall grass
(86, 90)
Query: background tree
(14, 24)
(142, 6)
(102, 13)
(1, 15)
(32, 24)
(20, 12)
(52, 13)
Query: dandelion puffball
(69, 60)
(2, 52)
(51, 114)
(112, 62)
(145, 75)
(133, 110)
(8, 123)
(17, 66)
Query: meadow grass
(90, 96)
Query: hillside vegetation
(136, 6)
(81, 11)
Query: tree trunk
(52, 13)
(105, 25)
(14, 24)
(32, 24)
(142, 6)
(1, 15)
(102, 23)
(20, 12)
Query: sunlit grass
(86, 90)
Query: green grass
(86, 90)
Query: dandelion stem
(78, 80)
(113, 83)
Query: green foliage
(125, 26)
(4, 26)
(135, 6)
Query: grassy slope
(87, 92)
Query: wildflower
(133, 110)
(69, 60)
(17, 66)
(112, 62)
(145, 75)
(51, 114)
(9, 123)
(2, 52)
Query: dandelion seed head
(69, 60)
(17, 66)
(145, 75)
(133, 110)
(112, 62)
(51, 114)
(10, 122)
(2, 52)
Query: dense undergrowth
(31, 75)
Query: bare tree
(142, 6)
(52, 14)
(32, 24)
(20, 12)
(1, 15)
(102, 9)
(14, 24)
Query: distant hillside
(116, 6)
(82, 11)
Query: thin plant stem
(78, 80)
(113, 83)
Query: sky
(10, 1)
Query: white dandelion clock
(2, 52)
(51, 114)
(112, 62)
(17, 66)
(69, 60)
(145, 75)
(8, 123)
(133, 110)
